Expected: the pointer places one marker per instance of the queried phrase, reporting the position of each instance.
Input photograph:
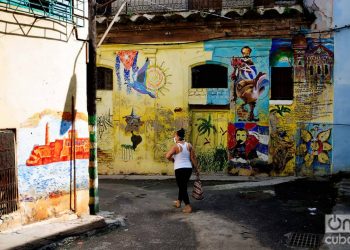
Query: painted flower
(315, 149)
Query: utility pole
(91, 107)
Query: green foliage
(206, 126)
(281, 110)
(214, 160)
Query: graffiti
(206, 126)
(282, 150)
(280, 110)
(104, 122)
(313, 78)
(282, 144)
(127, 152)
(136, 140)
(249, 85)
(137, 81)
(59, 150)
(314, 148)
(44, 165)
(247, 148)
(133, 122)
(157, 78)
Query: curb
(73, 230)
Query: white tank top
(182, 159)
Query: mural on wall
(148, 80)
(313, 80)
(282, 142)
(314, 148)
(44, 165)
(250, 86)
(247, 148)
(133, 122)
(104, 122)
(158, 79)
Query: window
(8, 173)
(281, 83)
(209, 76)
(55, 9)
(104, 78)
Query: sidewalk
(41, 234)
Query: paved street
(239, 218)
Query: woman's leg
(185, 176)
(178, 177)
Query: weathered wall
(341, 136)
(39, 77)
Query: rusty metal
(8, 173)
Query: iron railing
(70, 11)
(8, 176)
(164, 6)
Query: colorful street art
(158, 79)
(314, 149)
(59, 150)
(313, 80)
(126, 61)
(247, 148)
(282, 142)
(249, 86)
(133, 122)
(44, 165)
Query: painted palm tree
(280, 110)
(206, 126)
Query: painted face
(241, 136)
(246, 52)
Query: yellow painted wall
(159, 116)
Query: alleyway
(253, 218)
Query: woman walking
(183, 156)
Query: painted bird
(249, 90)
(139, 81)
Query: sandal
(177, 204)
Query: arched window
(209, 76)
(104, 78)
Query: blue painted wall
(341, 136)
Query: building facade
(252, 82)
(44, 154)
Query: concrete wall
(137, 124)
(341, 88)
(42, 69)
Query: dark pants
(182, 177)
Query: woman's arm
(193, 158)
(170, 153)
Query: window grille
(8, 176)
(70, 11)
